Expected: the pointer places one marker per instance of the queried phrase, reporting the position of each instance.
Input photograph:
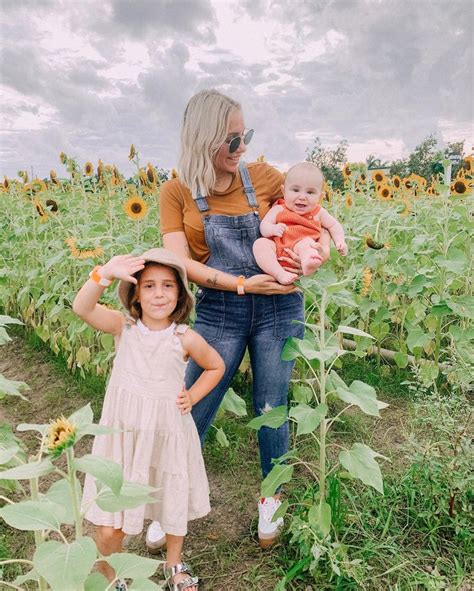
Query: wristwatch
(94, 275)
(240, 285)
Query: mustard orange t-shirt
(179, 212)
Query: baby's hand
(342, 248)
(123, 267)
(279, 229)
(184, 402)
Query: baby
(295, 222)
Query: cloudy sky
(89, 77)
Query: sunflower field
(402, 299)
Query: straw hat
(163, 257)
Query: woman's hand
(322, 247)
(266, 285)
(184, 402)
(123, 267)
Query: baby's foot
(310, 265)
(285, 277)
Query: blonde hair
(305, 164)
(203, 132)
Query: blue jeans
(230, 323)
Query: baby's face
(303, 190)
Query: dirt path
(221, 547)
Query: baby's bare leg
(310, 257)
(264, 251)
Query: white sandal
(186, 583)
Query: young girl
(156, 441)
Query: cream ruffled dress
(156, 445)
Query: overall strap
(201, 202)
(248, 187)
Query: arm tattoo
(212, 282)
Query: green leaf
(65, 566)
(441, 309)
(362, 395)
(401, 359)
(234, 403)
(82, 417)
(108, 472)
(96, 582)
(379, 329)
(302, 393)
(60, 493)
(463, 306)
(32, 427)
(274, 418)
(359, 462)
(32, 515)
(12, 387)
(131, 566)
(308, 418)
(354, 331)
(319, 516)
(278, 475)
(131, 496)
(290, 349)
(281, 511)
(417, 337)
(222, 438)
(144, 585)
(32, 575)
(8, 320)
(27, 471)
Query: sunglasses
(234, 143)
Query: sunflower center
(136, 207)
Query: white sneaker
(155, 537)
(268, 530)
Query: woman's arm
(211, 362)
(209, 277)
(86, 305)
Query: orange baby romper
(299, 226)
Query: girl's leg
(310, 256)
(174, 549)
(108, 541)
(264, 250)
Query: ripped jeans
(231, 323)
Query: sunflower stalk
(72, 486)
(34, 490)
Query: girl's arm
(86, 305)
(209, 277)
(335, 229)
(268, 226)
(211, 362)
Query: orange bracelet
(240, 285)
(94, 275)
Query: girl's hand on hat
(266, 285)
(123, 267)
(184, 402)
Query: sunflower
(23, 175)
(100, 169)
(82, 253)
(62, 158)
(469, 160)
(88, 169)
(174, 173)
(363, 177)
(379, 177)
(460, 187)
(384, 193)
(261, 158)
(61, 435)
(349, 201)
(367, 277)
(396, 181)
(151, 174)
(346, 171)
(6, 183)
(407, 208)
(52, 204)
(407, 183)
(132, 153)
(39, 208)
(135, 207)
(37, 186)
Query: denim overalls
(230, 323)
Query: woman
(210, 216)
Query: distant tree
(399, 168)
(373, 162)
(329, 161)
(423, 157)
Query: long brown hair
(183, 308)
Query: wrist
(240, 285)
(98, 276)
